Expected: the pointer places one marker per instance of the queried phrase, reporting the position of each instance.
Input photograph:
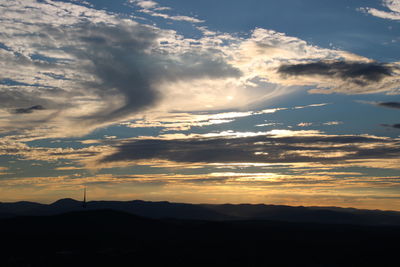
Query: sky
(292, 102)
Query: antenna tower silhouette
(84, 198)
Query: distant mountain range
(209, 212)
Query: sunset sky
(293, 102)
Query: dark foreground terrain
(116, 238)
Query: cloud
(145, 4)
(352, 77)
(90, 68)
(152, 8)
(305, 124)
(330, 123)
(3, 171)
(278, 146)
(28, 110)
(392, 5)
(211, 188)
(396, 126)
(357, 72)
(16, 146)
(170, 17)
(178, 121)
(276, 58)
(395, 105)
(129, 67)
(94, 69)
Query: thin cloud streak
(392, 5)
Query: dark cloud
(390, 104)
(395, 105)
(28, 110)
(396, 126)
(357, 72)
(264, 149)
(13, 99)
(127, 61)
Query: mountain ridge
(208, 212)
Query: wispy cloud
(152, 8)
(329, 123)
(305, 124)
(393, 12)
(177, 121)
(15, 146)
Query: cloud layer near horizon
(274, 147)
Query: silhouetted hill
(143, 208)
(67, 203)
(21, 208)
(113, 238)
(308, 214)
(160, 210)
